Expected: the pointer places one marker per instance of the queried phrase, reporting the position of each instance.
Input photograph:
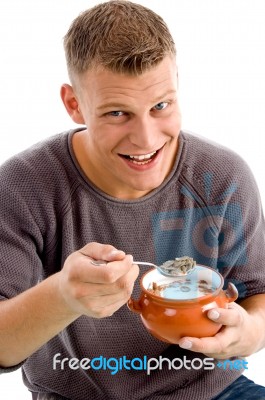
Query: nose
(144, 133)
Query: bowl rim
(201, 299)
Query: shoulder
(41, 172)
(209, 166)
(202, 151)
(33, 157)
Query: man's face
(133, 125)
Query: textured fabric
(47, 396)
(208, 208)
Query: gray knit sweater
(208, 208)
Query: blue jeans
(243, 389)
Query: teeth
(141, 162)
(143, 157)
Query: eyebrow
(117, 106)
(164, 95)
(113, 105)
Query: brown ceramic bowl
(171, 308)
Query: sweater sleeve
(242, 256)
(228, 231)
(21, 241)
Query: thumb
(104, 252)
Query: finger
(83, 289)
(208, 345)
(231, 316)
(222, 345)
(83, 270)
(106, 305)
(100, 251)
(109, 308)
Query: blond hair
(118, 35)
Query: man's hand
(33, 317)
(97, 291)
(241, 335)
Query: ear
(70, 102)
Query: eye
(160, 106)
(116, 113)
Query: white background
(221, 70)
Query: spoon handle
(102, 262)
(144, 263)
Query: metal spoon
(174, 268)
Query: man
(127, 184)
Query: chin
(147, 189)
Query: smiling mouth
(141, 159)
